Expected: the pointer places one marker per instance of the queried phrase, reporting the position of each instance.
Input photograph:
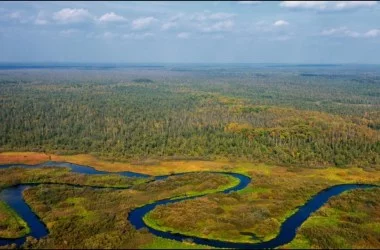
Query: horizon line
(278, 63)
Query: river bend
(14, 198)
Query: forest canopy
(283, 115)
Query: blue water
(80, 169)
(13, 197)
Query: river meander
(14, 198)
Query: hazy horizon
(174, 63)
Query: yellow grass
(23, 157)
(338, 175)
(165, 167)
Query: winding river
(14, 198)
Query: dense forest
(274, 114)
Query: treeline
(182, 119)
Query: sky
(190, 32)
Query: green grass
(154, 224)
(298, 243)
(161, 243)
(251, 189)
(232, 182)
(11, 224)
(80, 206)
(372, 226)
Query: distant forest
(314, 117)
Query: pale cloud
(183, 35)
(263, 26)
(219, 26)
(266, 26)
(143, 22)
(68, 15)
(280, 23)
(169, 25)
(354, 4)
(282, 38)
(199, 17)
(15, 15)
(206, 16)
(176, 17)
(318, 5)
(372, 33)
(41, 19)
(221, 16)
(341, 31)
(205, 21)
(138, 36)
(249, 2)
(345, 32)
(104, 36)
(68, 32)
(109, 35)
(327, 5)
(333, 31)
(111, 17)
(173, 22)
(41, 22)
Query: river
(14, 198)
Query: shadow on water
(253, 236)
(14, 198)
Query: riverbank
(271, 198)
(11, 224)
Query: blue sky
(202, 32)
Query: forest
(272, 114)
(274, 135)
